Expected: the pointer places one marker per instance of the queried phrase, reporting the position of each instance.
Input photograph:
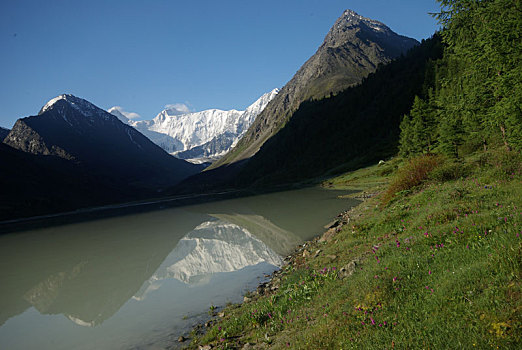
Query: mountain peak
(353, 48)
(354, 17)
(351, 18)
(77, 103)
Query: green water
(139, 281)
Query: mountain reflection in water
(212, 247)
(135, 278)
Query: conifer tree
(486, 36)
(405, 141)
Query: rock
(317, 253)
(247, 299)
(221, 314)
(332, 224)
(327, 236)
(306, 253)
(332, 257)
(181, 339)
(206, 347)
(382, 162)
(247, 346)
(208, 324)
(348, 269)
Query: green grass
(438, 267)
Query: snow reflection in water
(139, 281)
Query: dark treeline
(474, 100)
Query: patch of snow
(52, 102)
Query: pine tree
(405, 141)
(486, 38)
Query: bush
(450, 170)
(412, 174)
(506, 164)
(387, 170)
(500, 164)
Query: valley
(212, 228)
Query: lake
(139, 281)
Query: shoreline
(133, 207)
(308, 249)
(113, 210)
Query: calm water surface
(139, 281)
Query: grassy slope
(438, 266)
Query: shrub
(506, 164)
(450, 170)
(387, 170)
(412, 174)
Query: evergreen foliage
(476, 94)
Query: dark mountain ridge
(36, 185)
(353, 48)
(74, 129)
(74, 155)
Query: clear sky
(145, 54)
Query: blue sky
(144, 55)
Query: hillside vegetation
(433, 259)
(436, 265)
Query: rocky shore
(302, 253)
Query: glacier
(199, 137)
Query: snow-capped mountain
(200, 136)
(116, 112)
